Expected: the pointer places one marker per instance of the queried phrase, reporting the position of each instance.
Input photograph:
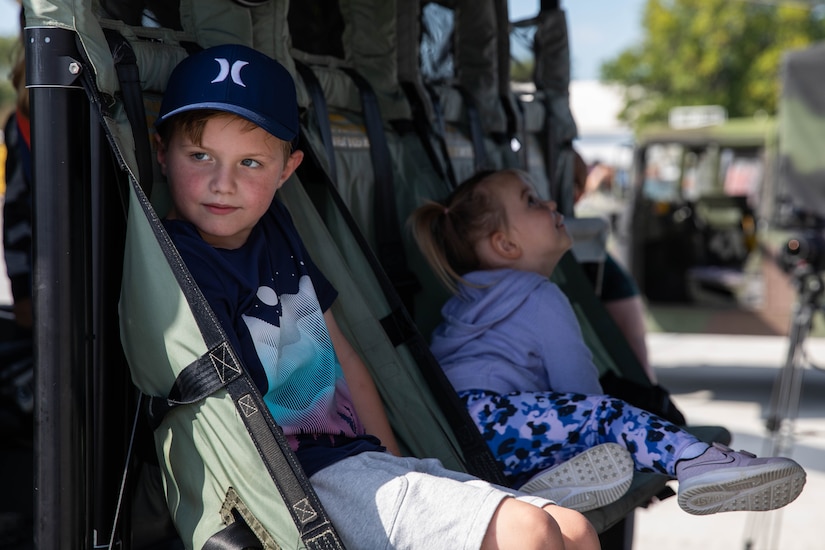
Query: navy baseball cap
(236, 79)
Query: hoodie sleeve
(567, 359)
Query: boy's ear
(292, 164)
(504, 247)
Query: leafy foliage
(710, 52)
(521, 70)
(9, 50)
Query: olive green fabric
(204, 448)
(77, 16)
(477, 61)
(801, 130)
(205, 453)
(552, 78)
(415, 417)
(534, 117)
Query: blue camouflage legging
(532, 431)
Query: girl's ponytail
(428, 224)
(447, 233)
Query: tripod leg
(784, 405)
(787, 380)
(785, 395)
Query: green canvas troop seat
(353, 148)
(215, 476)
(167, 331)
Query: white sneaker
(724, 480)
(592, 479)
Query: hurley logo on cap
(225, 71)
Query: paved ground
(728, 380)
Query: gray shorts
(377, 500)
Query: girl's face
(533, 225)
(225, 184)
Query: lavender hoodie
(517, 332)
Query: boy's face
(225, 185)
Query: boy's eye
(200, 156)
(531, 200)
(250, 163)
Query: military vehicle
(399, 101)
(692, 237)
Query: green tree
(710, 52)
(521, 70)
(9, 51)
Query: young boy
(225, 130)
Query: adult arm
(17, 226)
(623, 302)
(362, 388)
(628, 313)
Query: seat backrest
(357, 181)
(212, 467)
(214, 439)
(455, 62)
(414, 173)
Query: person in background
(619, 292)
(17, 207)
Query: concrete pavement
(727, 380)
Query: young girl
(512, 348)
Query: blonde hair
(447, 232)
(192, 123)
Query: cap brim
(278, 130)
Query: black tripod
(784, 405)
(785, 396)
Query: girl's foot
(723, 480)
(592, 479)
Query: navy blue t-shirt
(270, 298)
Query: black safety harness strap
(401, 329)
(235, 536)
(220, 368)
(389, 244)
(550, 153)
(427, 132)
(319, 105)
(476, 129)
(132, 94)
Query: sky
(9, 13)
(598, 29)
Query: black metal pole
(112, 399)
(58, 123)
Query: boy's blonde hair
(192, 123)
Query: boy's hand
(365, 397)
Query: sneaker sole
(592, 479)
(753, 488)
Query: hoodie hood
(513, 331)
(494, 296)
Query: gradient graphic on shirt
(302, 370)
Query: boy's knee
(577, 531)
(522, 526)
